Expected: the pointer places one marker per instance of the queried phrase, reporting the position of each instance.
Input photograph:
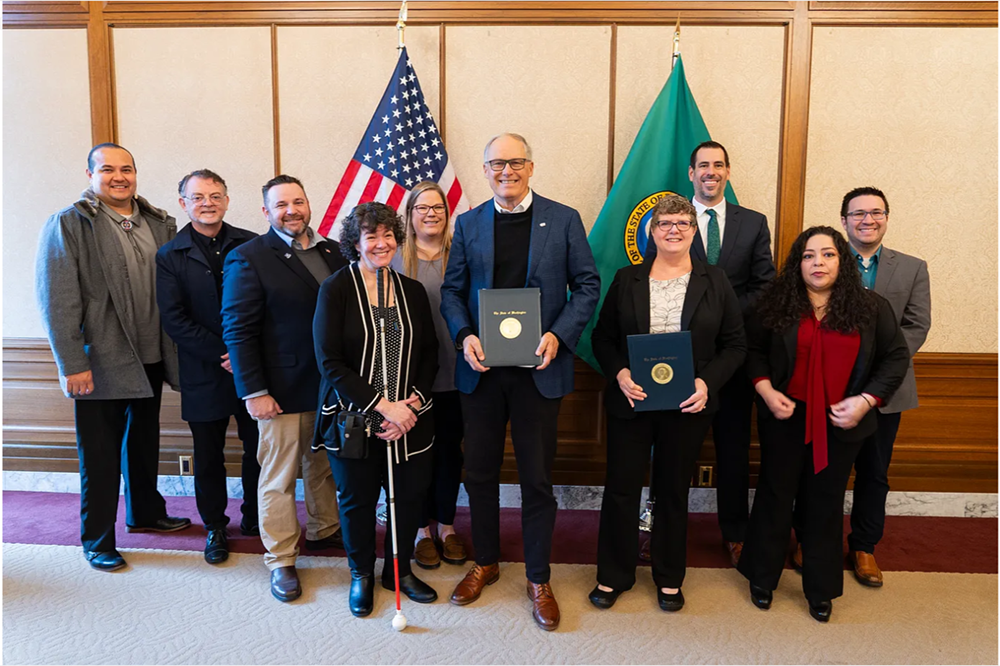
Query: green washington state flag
(656, 165)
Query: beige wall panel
(735, 75)
(549, 84)
(330, 80)
(913, 111)
(193, 98)
(46, 137)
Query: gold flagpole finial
(401, 26)
(677, 44)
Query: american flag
(400, 148)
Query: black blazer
(268, 301)
(191, 313)
(745, 254)
(711, 312)
(346, 341)
(883, 359)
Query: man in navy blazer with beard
(517, 239)
(738, 241)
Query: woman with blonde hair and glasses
(428, 230)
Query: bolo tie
(127, 225)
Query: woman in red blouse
(823, 353)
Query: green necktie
(714, 244)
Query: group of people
(309, 343)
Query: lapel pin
(542, 224)
(288, 255)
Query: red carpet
(911, 543)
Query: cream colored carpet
(169, 607)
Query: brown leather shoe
(453, 550)
(644, 550)
(735, 549)
(426, 554)
(545, 610)
(285, 584)
(475, 580)
(797, 558)
(865, 568)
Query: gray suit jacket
(904, 282)
(86, 304)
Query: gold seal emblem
(662, 373)
(510, 328)
(637, 226)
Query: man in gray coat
(95, 281)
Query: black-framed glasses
(859, 215)
(424, 209)
(516, 164)
(682, 225)
(201, 198)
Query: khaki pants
(284, 441)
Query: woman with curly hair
(347, 336)
(823, 353)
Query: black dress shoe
(249, 530)
(670, 602)
(168, 524)
(216, 547)
(110, 560)
(285, 584)
(414, 588)
(760, 597)
(335, 540)
(821, 610)
(362, 596)
(603, 599)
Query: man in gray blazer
(95, 282)
(903, 280)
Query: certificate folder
(510, 326)
(663, 365)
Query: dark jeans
(786, 477)
(510, 394)
(871, 485)
(116, 438)
(731, 436)
(211, 493)
(447, 451)
(676, 439)
(358, 485)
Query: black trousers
(871, 485)
(787, 478)
(675, 439)
(731, 435)
(116, 438)
(510, 394)
(211, 493)
(358, 486)
(443, 494)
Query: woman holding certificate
(823, 353)
(669, 294)
(378, 355)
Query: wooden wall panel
(948, 444)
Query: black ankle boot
(362, 597)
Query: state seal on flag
(637, 226)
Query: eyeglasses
(682, 225)
(860, 215)
(424, 209)
(200, 198)
(516, 164)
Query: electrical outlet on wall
(185, 463)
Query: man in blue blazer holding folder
(518, 239)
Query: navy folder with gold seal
(510, 326)
(663, 365)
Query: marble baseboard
(700, 500)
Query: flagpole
(677, 43)
(401, 26)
